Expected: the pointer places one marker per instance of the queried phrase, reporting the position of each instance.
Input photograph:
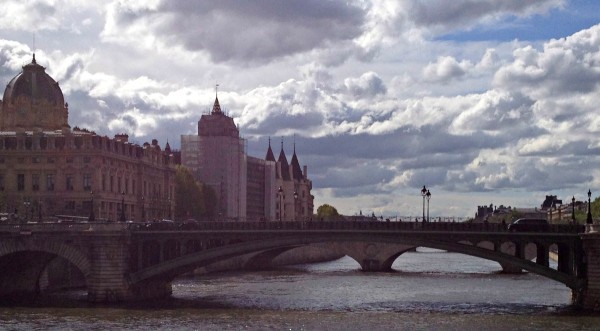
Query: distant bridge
(139, 260)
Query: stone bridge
(134, 261)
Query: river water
(429, 290)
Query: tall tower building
(216, 157)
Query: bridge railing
(342, 225)
(276, 226)
(25, 228)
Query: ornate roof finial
(216, 106)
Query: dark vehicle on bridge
(529, 225)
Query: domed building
(50, 171)
(33, 99)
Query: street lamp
(92, 217)
(428, 196)
(143, 210)
(589, 215)
(295, 204)
(122, 218)
(423, 193)
(26, 203)
(280, 193)
(573, 211)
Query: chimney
(305, 171)
(122, 137)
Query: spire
(168, 147)
(270, 156)
(283, 164)
(33, 61)
(216, 106)
(296, 171)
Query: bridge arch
(172, 268)
(24, 261)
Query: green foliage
(327, 212)
(192, 199)
(596, 208)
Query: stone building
(49, 169)
(246, 187)
(294, 198)
(217, 158)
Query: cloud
(565, 66)
(233, 31)
(444, 15)
(446, 68)
(368, 85)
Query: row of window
(122, 185)
(50, 159)
(50, 182)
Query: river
(429, 290)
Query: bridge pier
(588, 297)
(110, 266)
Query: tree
(192, 198)
(327, 212)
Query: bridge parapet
(344, 225)
(63, 227)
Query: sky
(483, 101)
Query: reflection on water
(429, 289)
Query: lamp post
(122, 218)
(589, 215)
(428, 196)
(143, 210)
(280, 193)
(92, 217)
(423, 193)
(295, 204)
(40, 211)
(26, 203)
(573, 211)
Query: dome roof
(33, 82)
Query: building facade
(217, 158)
(293, 188)
(48, 169)
(247, 188)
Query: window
(132, 186)
(103, 182)
(35, 182)
(1, 183)
(112, 180)
(69, 183)
(127, 185)
(35, 159)
(87, 182)
(87, 159)
(50, 182)
(119, 185)
(50, 160)
(70, 205)
(20, 182)
(69, 159)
